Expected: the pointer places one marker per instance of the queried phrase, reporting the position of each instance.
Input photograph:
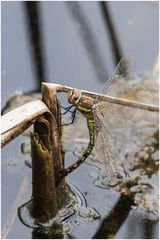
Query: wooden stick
(16, 121)
(47, 160)
(44, 204)
(120, 101)
(50, 99)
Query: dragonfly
(102, 118)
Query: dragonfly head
(74, 96)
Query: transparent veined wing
(109, 118)
(105, 147)
(118, 78)
(118, 86)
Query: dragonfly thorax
(82, 103)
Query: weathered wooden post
(47, 160)
(50, 99)
(44, 196)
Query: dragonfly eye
(74, 96)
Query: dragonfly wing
(114, 114)
(111, 115)
(106, 148)
(118, 78)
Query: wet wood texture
(18, 120)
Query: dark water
(76, 53)
(67, 60)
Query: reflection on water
(76, 213)
(35, 32)
(117, 52)
(115, 219)
(66, 57)
(88, 39)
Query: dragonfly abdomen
(91, 127)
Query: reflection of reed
(111, 31)
(33, 20)
(147, 229)
(55, 232)
(89, 40)
(115, 219)
(141, 228)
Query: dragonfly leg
(73, 118)
(68, 109)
